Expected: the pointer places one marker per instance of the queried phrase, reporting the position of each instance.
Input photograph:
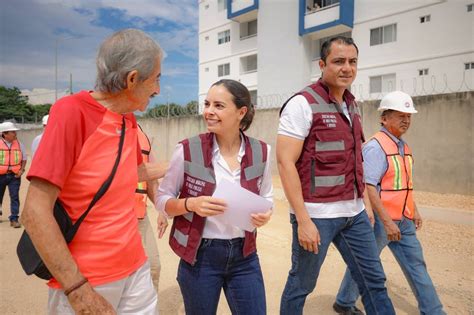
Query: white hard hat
(8, 126)
(45, 120)
(399, 101)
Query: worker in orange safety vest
(144, 191)
(388, 171)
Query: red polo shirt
(76, 154)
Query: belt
(233, 241)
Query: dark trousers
(221, 265)
(13, 183)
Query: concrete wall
(441, 139)
(440, 136)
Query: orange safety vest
(10, 157)
(396, 186)
(141, 191)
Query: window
(221, 5)
(206, 69)
(425, 19)
(253, 97)
(223, 37)
(469, 66)
(315, 5)
(423, 71)
(223, 69)
(206, 38)
(248, 63)
(470, 7)
(383, 34)
(382, 83)
(248, 29)
(206, 6)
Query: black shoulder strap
(102, 190)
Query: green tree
(15, 106)
(173, 110)
(192, 108)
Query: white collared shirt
(173, 181)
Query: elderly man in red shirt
(104, 269)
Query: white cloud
(30, 29)
(180, 12)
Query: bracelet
(186, 205)
(75, 286)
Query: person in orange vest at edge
(104, 269)
(388, 168)
(12, 166)
(218, 255)
(144, 190)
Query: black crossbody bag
(26, 251)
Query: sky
(30, 29)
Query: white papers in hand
(240, 204)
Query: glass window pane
(376, 84)
(252, 63)
(252, 27)
(388, 34)
(221, 5)
(388, 83)
(253, 97)
(375, 36)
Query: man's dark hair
(326, 47)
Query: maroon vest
(199, 180)
(330, 164)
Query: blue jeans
(354, 239)
(409, 255)
(220, 264)
(13, 183)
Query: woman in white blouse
(216, 254)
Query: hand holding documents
(240, 204)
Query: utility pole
(168, 103)
(56, 65)
(56, 70)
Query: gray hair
(125, 51)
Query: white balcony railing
(323, 16)
(238, 5)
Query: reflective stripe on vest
(199, 180)
(322, 146)
(397, 183)
(10, 157)
(330, 165)
(141, 190)
(321, 106)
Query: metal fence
(416, 86)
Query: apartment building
(273, 46)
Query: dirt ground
(448, 250)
